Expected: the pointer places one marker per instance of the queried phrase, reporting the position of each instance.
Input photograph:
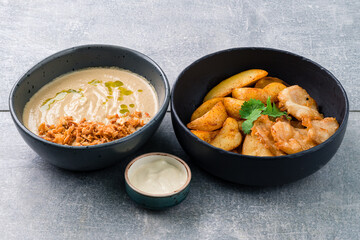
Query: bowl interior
(196, 80)
(84, 57)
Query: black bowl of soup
(200, 77)
(89, 107)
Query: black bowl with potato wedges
(259, 116)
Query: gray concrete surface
(39, 201)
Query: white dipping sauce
(157, 174)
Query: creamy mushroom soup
(93, 94)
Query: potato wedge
(242, 79)
(267, 80)
(229, 136)
(240, 122)
(205, 135)
(232, 106)
(245, 94)
(204, 108)
(252, 146)
(273, 90)
(210, 121)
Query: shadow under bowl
(197, 79)
(86, 158)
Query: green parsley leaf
(249, 106)
(271, 110)
(248, 124)
(251, 110)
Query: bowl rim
(264, 158)
(164, 195)
(162, 108)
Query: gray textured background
(39, 201)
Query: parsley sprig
(251, 110)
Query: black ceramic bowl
(198, 78)
(87, 158)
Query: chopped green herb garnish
(251, 110)
(59, 96)
(110, 85)
(132, 105)
(94, 82)
(249, 122)
(123, 111)
(249, 106)
(118, 85)
(125, 91)
(272, 110)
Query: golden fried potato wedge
(240, 122)
(245, 94)
(210, 121)
(229, 136)
(267, 80)
(242, 79)
(273, 89)
(233, 106)
(252, 146)
(205, 135)
(204, 108)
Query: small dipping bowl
(156, 201)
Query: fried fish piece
(297, 102)
(262, 130)
(320, 130)
(289, 139)
(292, 140)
